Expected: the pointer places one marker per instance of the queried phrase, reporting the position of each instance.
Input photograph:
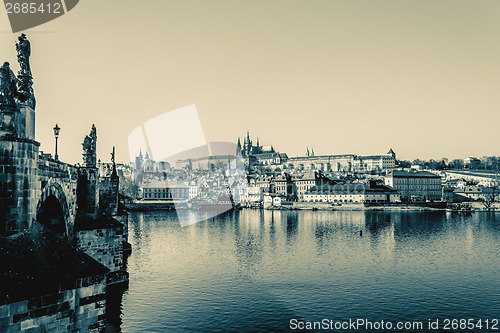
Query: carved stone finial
(89, 148)
(113, 172)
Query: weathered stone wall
(88, 191)
(19, 187)
(25, 122)
(108, 196)
(81, 309)
(104, 245)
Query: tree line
(487, 163)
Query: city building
(255, 195)
(376, 162)
(415, 185)
(165, 190)
(352, 193)
(302, 183)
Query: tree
(431, 164)
(404, 164)
(490, 196)
(128, 188)
(458, 164)
(443, 164)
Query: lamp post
(56, 129)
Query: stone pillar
(87, 199)
(108, 195)
(19, 186)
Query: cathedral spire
(307, 151)
(114, 174)
(238, 146)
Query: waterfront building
(255, 195)
(415, 185)
(282, 185)
(264, 183)
(193, 189)
(165, 190)
(352, 193)
(303, 182)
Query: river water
(261, 271)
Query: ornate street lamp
(56, 129)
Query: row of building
(259, 157)
(396, 186)
(254, 171)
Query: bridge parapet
(49, 166)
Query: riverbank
(476, 206)
(354, 207)
(144, 206)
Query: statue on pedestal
(8, 94)
(89, 148)
(23, 48)
(7, 85)
(24, 80)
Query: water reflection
(254, 270)
(114, 307)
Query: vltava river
(255, 271)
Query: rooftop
(155, 183)
(413, 174)
(354, 188)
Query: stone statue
(89, 148)
(23, 48)
(8, 90)
(25, 93)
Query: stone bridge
(50, 213)
(56, 204)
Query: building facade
(352, 193)
(415, 185)
(165, 190)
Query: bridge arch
(53, 211)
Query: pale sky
(353, 76)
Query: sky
(420, 77)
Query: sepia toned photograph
(249, 166)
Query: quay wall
(104, 245)
(80, 309)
